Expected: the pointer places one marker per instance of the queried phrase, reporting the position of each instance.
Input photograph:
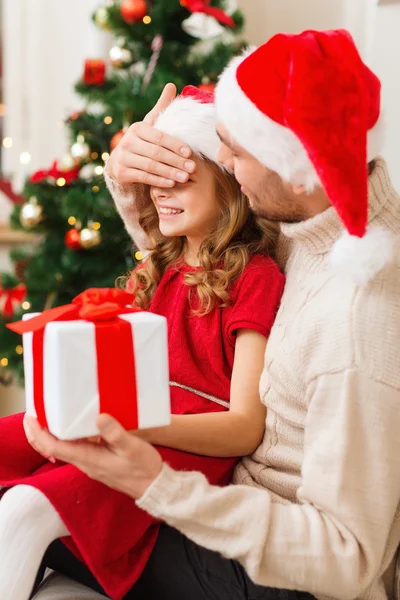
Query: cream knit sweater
(319, 508)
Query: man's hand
(146, 155)
(122, 461)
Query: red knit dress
(108, 531)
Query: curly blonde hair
(223, 255)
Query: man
(316, 508)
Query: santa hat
(307, 107)
(192, 118)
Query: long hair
(223, 255)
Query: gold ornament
(90, 238)
(67, 163)
(31, 213)
(101, 18)
(120, 57)
(80, 150)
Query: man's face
(268, 195)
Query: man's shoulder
(358, 326)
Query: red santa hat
(307, 107)
(192, 118)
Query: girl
(210, 275)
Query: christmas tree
(81, 241)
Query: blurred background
(50, 51)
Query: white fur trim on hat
(274, 145)
(362, 258)
(192, 122)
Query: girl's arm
(237, 432)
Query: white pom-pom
(362, 258)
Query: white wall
(375, 26)
(264, 18)
(46, 42)
(45, 45)
(386, 63)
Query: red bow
(10, 297)
(69, 175)
(95, 304)
(203, 6)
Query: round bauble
(73, 239)
(31, 213)
(80, 150)
(120, 57)
(115, 140)
(90, 238)
(133, 11)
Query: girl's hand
(146, 155)
(123, 461)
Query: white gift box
(70, 378)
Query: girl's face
(188, 209)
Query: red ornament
(207, 87)
(133, 10)
(75, 115)
(115, 140)
(73, 239)
(95, 72)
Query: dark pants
(178, 569)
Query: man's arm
(333, 543)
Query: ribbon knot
(102, 304)
(95, 304)
(203, 6)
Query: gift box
(96, 356)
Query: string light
(4, 362)
(108, 120)
(61, 182)
(95, 188)
(99, 170)
(138, 255)
(80, 139)
(25, 158)
(94, 155)
(71, 221)
(96, 225)
(26, 305)
(19, 349)
(7, 142)
(147, 20)
(105, 156)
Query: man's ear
(298, 189)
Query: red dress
(108, 531)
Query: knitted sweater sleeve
(333, 542)
(129, 199)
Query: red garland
(203, 6)
(55, 173)
(11, 297)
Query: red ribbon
(12, 296)
(114, 349)
(203, 6)
(56, 173)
